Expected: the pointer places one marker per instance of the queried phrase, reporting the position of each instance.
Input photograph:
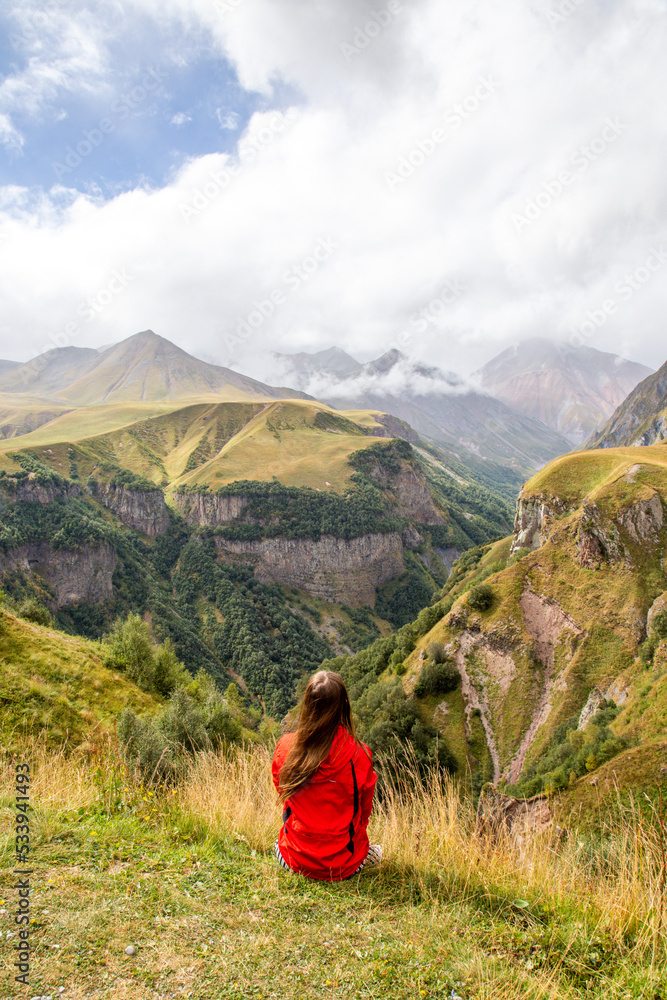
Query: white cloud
(476, 108)
(64, 51)
(9, 134)
(181, 118)
(227, 119)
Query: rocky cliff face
(204, 509)
(143, 510)
(409, 490)
(604, 539)
(74, 574)
(533, 519)
(333, 569)
(31, 491)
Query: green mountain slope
(564, 617)
(291, 530)
(55, 686)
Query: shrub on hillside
(391, 725)
(130, 648)
(571, 754)
(519, 554)
(146, 747)
(480, 598)
(198, 717)
(437, 652)
(33, 611)
(437, 678)
(428, 617)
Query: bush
(389, 722)
(33, 611)
(428, 617)
(144, 745)
(480, 598)
(197, 718)
(519, 554)
(659, 625)
(437, 678)
(437, 652)
(130, 648)
(169, 672)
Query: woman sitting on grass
(325, 779)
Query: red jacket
(324, 822)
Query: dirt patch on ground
(545, 622)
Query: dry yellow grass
(188, 873)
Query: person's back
(326, 781)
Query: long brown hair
(325, 706)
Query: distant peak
(145, 335)
(385, 362)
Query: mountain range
(470, 426)
(528, 405)
(144, 367)
(525, 407)
(570, 389)
(263, 531)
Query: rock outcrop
(501, 817)
(410, 491)
(209, 509)
(659, 606)
(594, 702)
(612, 539)
(143, 510)
(75, 575)
(31, 490)
(333, 569)
(643, 520)
(413, 497)
(532, 521)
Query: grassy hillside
(186, 877)
(204, 442)
(55, 685)
(592, 474)
(535, 634)
(297, 442)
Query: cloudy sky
(243, 176)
